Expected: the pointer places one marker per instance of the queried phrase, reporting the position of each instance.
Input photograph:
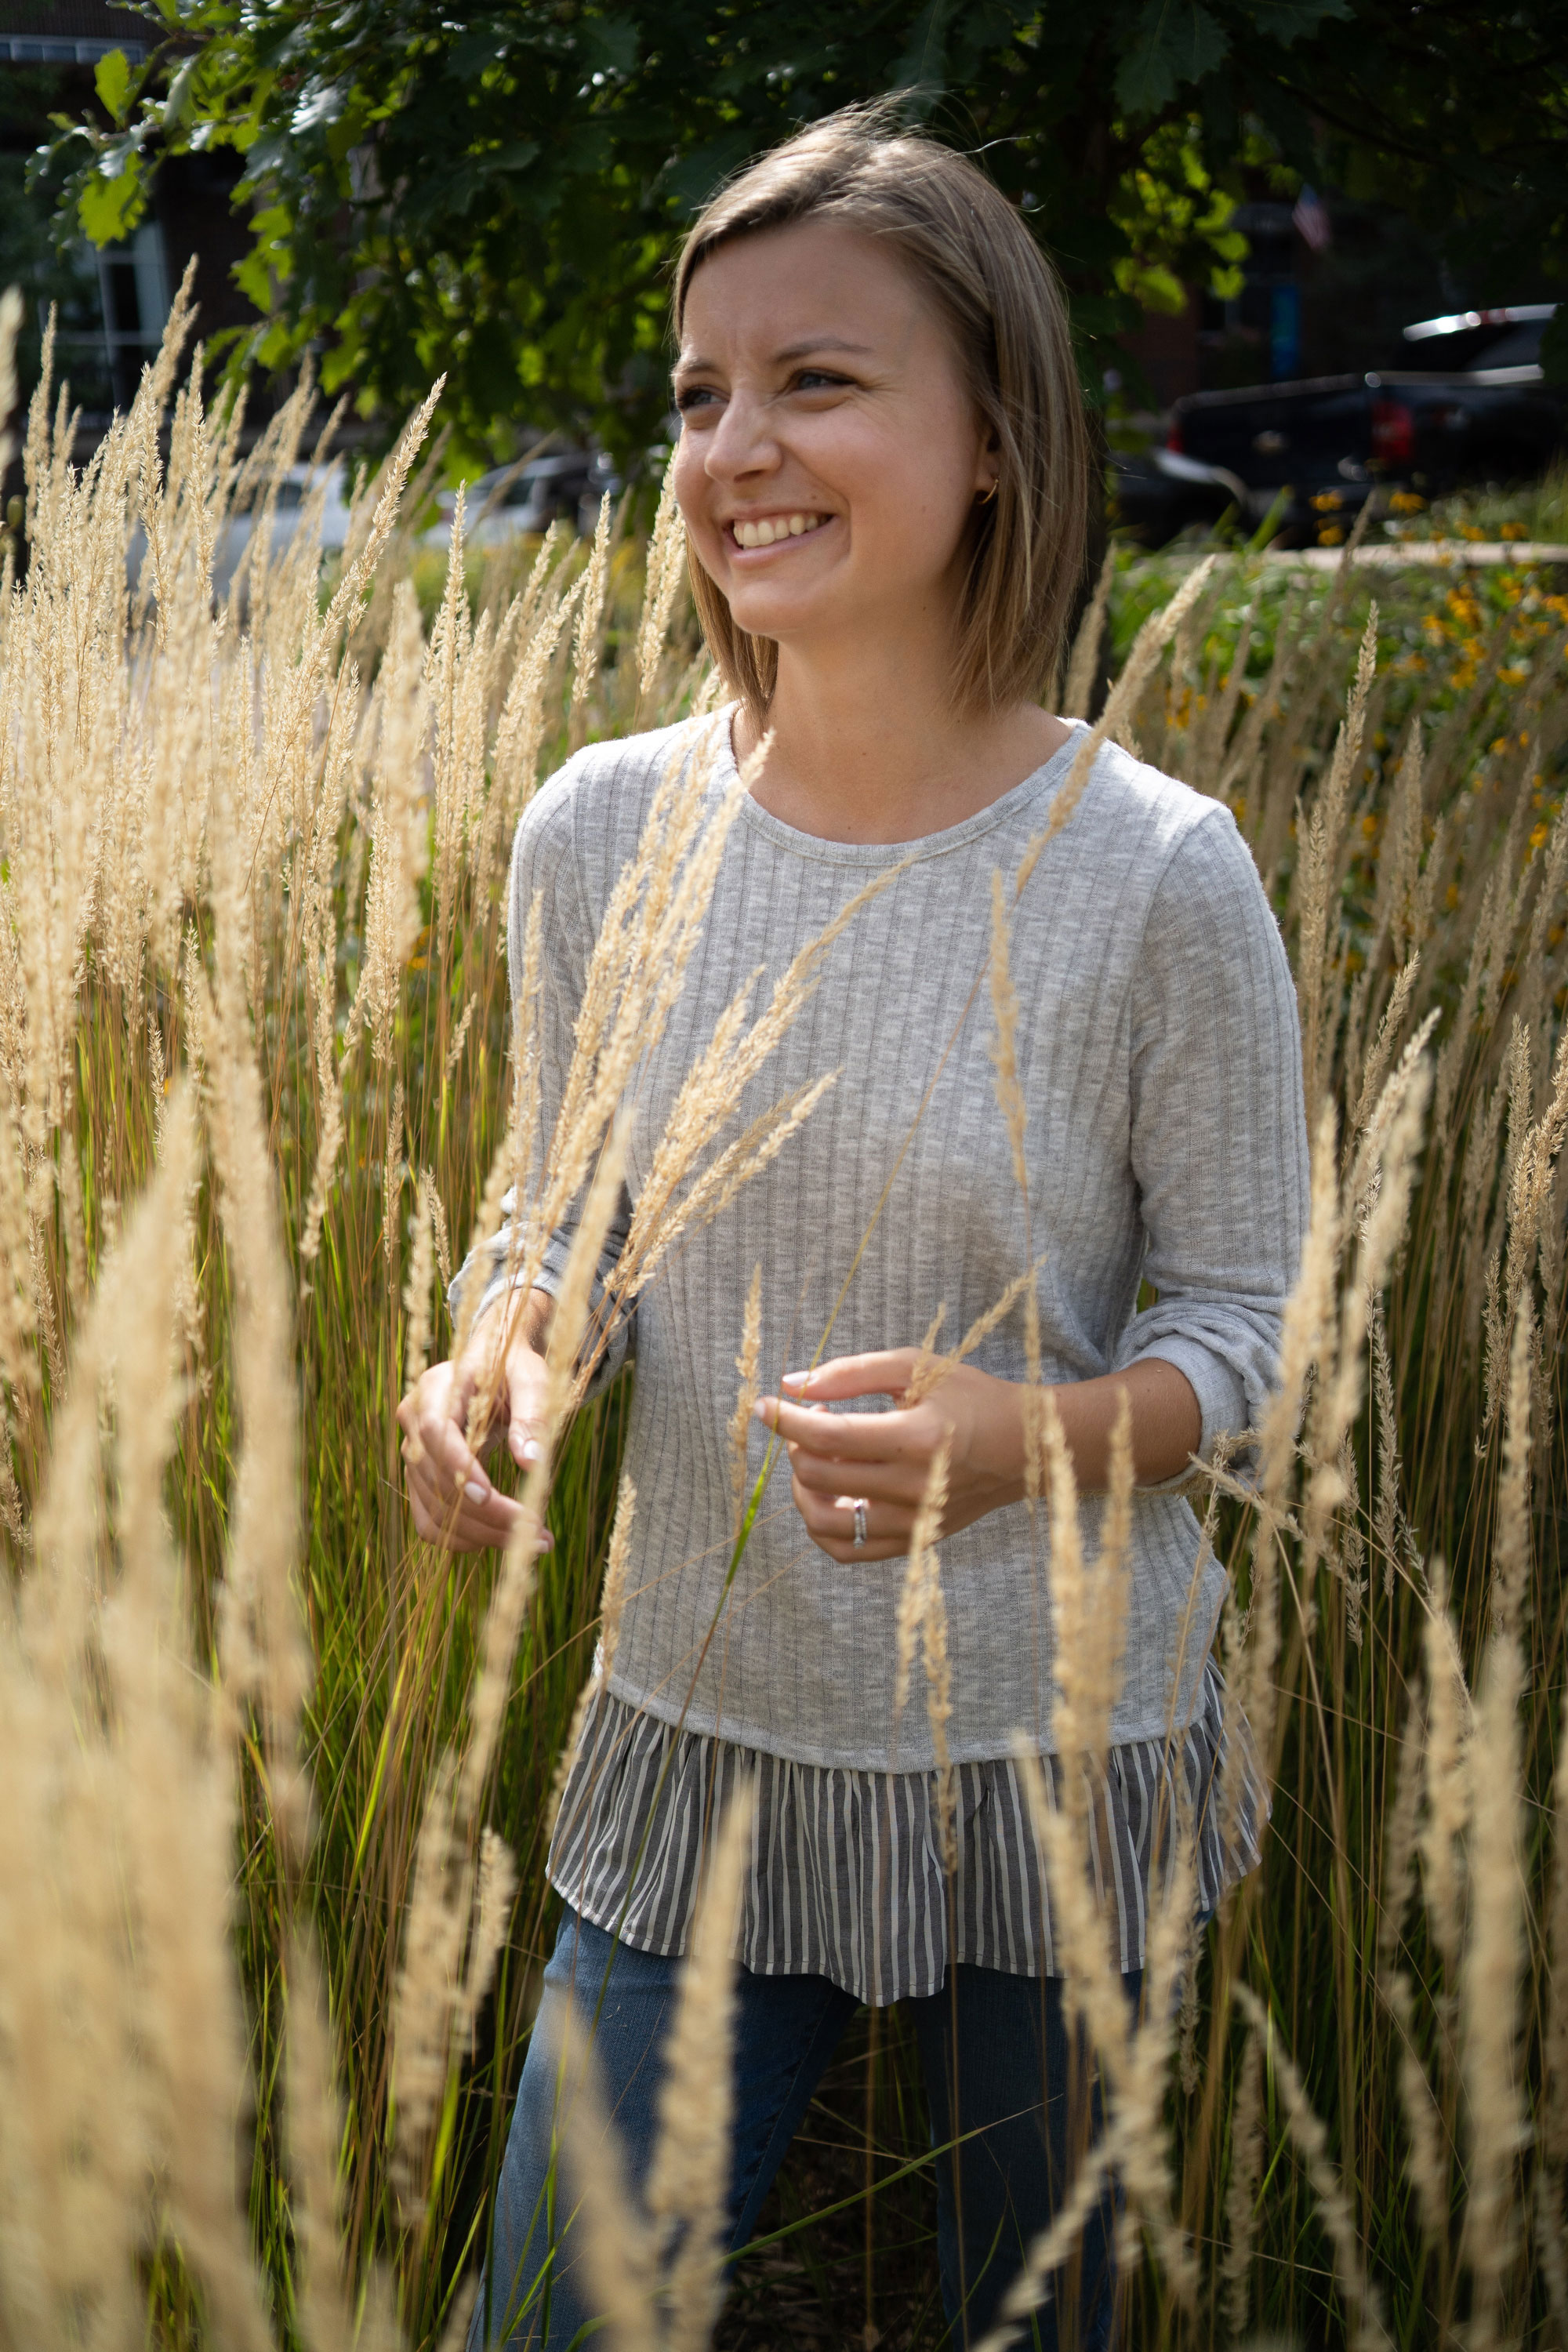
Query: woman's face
(830, 453)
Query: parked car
(1476, 409)
(295, 488)
(566, 485)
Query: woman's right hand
(453, 1501)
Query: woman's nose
(742, 442)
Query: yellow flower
(1512, 530)
(1330, 534)
(1329, 501)
(1405, 502)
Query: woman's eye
(693, 396)
(819, 379)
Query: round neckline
(892, 853)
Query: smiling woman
(900, 345)
(882, 473)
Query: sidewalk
(1385, 555)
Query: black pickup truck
(1477, 411)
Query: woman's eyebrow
(693, 363)
(821, 343)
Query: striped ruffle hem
(845, 1877)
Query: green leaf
(515, 158)
(112, 198)
(177, 104)
(609, 44)
(1174, 42)
(111, 79)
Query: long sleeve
(1219, 1138)
(543, 866)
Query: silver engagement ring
(860, 1525)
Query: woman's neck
(872, 751)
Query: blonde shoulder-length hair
(976, 261)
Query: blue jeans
(994, 2050)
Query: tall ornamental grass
(278, 1779)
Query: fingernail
(794, 1380)
(476, 1493)
(531, 1452)
(763, 1409)
(546, 1541)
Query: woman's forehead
(805, 288)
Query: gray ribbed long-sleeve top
(1159, 1058)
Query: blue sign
(1284, 331)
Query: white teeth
(769, 531)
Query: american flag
(1312, 217)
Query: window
(133, 297)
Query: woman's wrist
(1167, 1427)
(1167, 1422)
(526, 1318)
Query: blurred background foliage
(497, 192)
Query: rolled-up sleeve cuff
(619, 1344)
(1220, 1390)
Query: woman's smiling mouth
(767, 530)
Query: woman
(883, 475)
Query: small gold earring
(986, 496)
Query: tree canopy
(496, 192)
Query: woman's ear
(987, 465)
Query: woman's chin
(763, 613)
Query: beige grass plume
(688, 2178)
(612, 1604)
(922, 1626)
(747, 1363)
(11, 316)
(1511, 1544)
(586, 643)
(416, 1291)
(1135, 2059)
(1246, 2153)
(1363, 2303)
(930, 1369)
(453, 1905)
(666, 564)
(612, 2241)
(1084, 663)
(1449, 1783)
(1489, 1992)
(1320, 835)
(1121, 702)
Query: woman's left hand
(884, 1459)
